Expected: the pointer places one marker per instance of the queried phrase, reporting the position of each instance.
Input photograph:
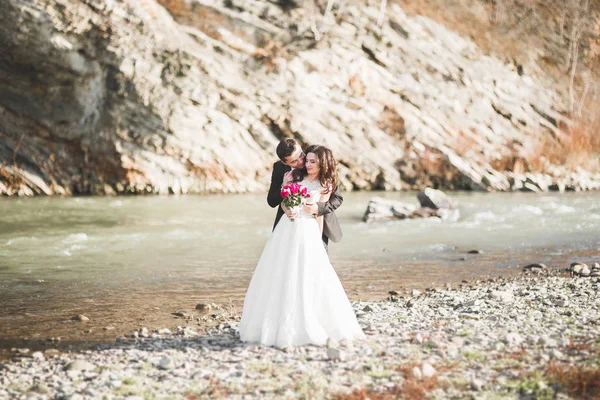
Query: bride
(295, 297)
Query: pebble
(477, 384)
(416, 372)
(555, 353)
(537, 268)
(40, 388)
(336, 354)
(513, 339)
(165, 363)
(79, 365)
(428, 370)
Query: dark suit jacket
(331, 225)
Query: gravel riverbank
(527, 337)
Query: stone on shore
(382, 209)
(436, 199)
(536, 268)
(165, 362)
(79, 365)
(434, 203)
(579, 269)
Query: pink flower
(304, 191)
(308, 195)
(294, 188)
(285, 192)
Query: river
(131, 261)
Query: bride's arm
(287, 211)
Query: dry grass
(415, 388)
(511, 162)
(515, 31)
(572, 346)
(516, 355)
(594, 52)
(580, 381)
(213, 391)
(535, 154)
(471, 19)
(363, 394)
(579, 146)
(412, 388)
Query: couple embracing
(295, 297)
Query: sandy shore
(47, 322)
(526, 337)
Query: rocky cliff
(186, 96)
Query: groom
(291, 156)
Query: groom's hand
(311, 209)
(287, 178)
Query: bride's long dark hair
(327, 167)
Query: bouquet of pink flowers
(294, 195)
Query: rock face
(193, 96)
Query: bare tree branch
(17, 150)
(313, 22)
(328, 8)
(381, 12)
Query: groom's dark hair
(286, 147)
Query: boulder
(579, 269)
(536, 268)
(435, 199)
(384, 209)
(437, 204)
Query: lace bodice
(315, 189)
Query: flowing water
(131, 261)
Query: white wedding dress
(295, 297)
